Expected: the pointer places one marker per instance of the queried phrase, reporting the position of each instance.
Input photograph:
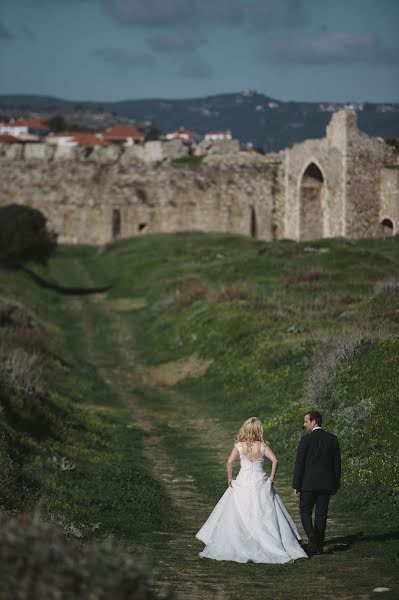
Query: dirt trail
(176, 562)
(182, 548)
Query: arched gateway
(310, 203)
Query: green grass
(192, 161)
(149, 462)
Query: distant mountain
(252, 117)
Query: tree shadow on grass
(67, 291)
(343, 543)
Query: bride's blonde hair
(251, 431)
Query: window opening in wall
(386, 228)
(116, 223)
(142, 226)
(254, 227)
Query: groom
(317, 475)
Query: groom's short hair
(315, 416)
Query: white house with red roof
(184, 135)
(6, 138)
(25, 128)
(218, 136)
(123, 134)
(76, 138)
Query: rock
(381, 589)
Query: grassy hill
(118, 410)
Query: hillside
(252, 117)
(135, 396)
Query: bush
(19, 373)
(386, 288)
(236, 291)
(313, 274)
(325, 369)
(24, 236)
(190, 290)
(30, 339)
(13, 314)
(36, 562)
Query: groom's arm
(299, 465)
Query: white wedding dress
(250, 522)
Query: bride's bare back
(254, 451)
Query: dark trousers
(308, 501)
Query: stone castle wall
(93, 199)
(345, 184)
(364, 160)
(389, 193)
(333, 186)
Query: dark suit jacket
(318, 463)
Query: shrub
(235, 291)
(190, 290)
(36, 562)
(24, 236)
(18, 371)
(15, 315)
(385, 288)
(325, 368)
(313, 274)
(31, 340)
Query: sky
(303, 50)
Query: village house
(27, 129)
(5, 138)
(75, 138)
(184, 135)
(124, 135)
(218, 136)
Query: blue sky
(128, 49)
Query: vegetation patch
(125, 426)
(126, 304)
(172, 372)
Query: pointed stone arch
(310, 203)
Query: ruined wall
(91, 197)
(328, 160)
(389, 207)
(345, 184)
(365, 158)
(333, 185)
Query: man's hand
(229, 482)
(296, 492)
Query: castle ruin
(346, 184)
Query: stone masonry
(346, 184)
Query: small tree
(24, 236)
(57, 123)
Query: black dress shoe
(310, 549)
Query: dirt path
(202, 446)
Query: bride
(250, 522)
